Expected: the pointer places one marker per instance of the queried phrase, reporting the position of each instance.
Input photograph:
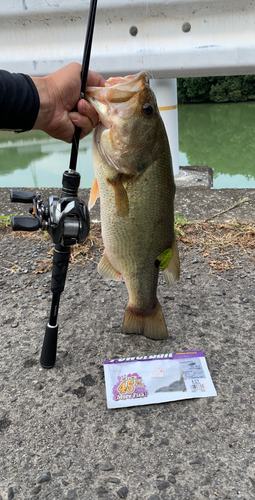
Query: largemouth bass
(134, 179)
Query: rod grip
(25, 223)
(49, 348)
(61, 257)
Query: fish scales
(135, 256)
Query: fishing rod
(66, 219)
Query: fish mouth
(120, 140)
(131, 83)
(113, 98)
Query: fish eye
(148, 109)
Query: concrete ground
(58, 440)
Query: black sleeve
(19, 101)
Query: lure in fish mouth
(134, 179)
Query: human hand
(59, 94)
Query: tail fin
(152, 325)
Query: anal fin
(107, 270)
(151, 325)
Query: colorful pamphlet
(159, 378)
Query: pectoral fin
(171, 272)
(94, 193)
(121, 197)
(107, 270)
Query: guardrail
(173, 38)
(170, 39)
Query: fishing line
(149, 48)
(84, 75)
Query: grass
(5, 220)
(179, 222)
(217, 240)
(219, 236)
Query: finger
(83, 122)
(95, 80)
(86, 109)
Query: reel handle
(25, 223)
(22, 196)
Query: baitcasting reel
(65, 219)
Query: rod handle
(49, 348)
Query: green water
(221, 136)
(33, 159)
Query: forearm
(47, 102)
(19, 101)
